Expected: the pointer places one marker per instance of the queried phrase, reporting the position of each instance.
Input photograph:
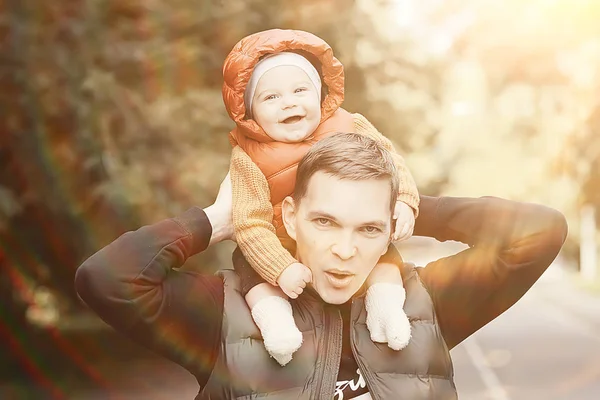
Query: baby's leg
(270, 310)
(386, 319)
(261, 291)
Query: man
(340, 217)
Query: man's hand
(405, 221)
(219, 213)
(293, 279)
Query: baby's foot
(386, 320)
(273, 316)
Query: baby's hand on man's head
(405, 221)
(294, 279)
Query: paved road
(536, 350)
(546, 347)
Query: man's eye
(322, 221)
(371, 229)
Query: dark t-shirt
(350, 383)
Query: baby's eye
(302, 89)
(270, 97)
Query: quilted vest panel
(423, 369)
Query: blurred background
(111, 117)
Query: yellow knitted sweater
(253, 211)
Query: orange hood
(240, 63)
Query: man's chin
(335, 298)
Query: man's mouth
(339, 279)
(292, 120)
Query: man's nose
(344, 247)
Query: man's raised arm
(132, 284)
(511, 245)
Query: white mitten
(274, 318)
(386, 320)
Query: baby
(283, 89)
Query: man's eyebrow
(377, 223)
(322, 214)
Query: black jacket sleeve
(510, 245)
(132, 284)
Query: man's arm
(511, 245)
(131, 285)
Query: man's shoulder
(231, 283)
(408, 270)
(229, 276)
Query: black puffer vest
(244, 370)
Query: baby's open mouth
(292, 120)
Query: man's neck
(311, 292)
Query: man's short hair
(348, 156)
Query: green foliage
(112, 113)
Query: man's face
(341, 228)
(286, 104)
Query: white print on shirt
(360, 383)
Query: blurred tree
(111, 113)
(112, 117)
(393, 72)
(584, 160)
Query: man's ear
(385, 249)
(288, 214)
(389, 241)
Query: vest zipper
(366, 373)
(332, 350)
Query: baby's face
(286, 104)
